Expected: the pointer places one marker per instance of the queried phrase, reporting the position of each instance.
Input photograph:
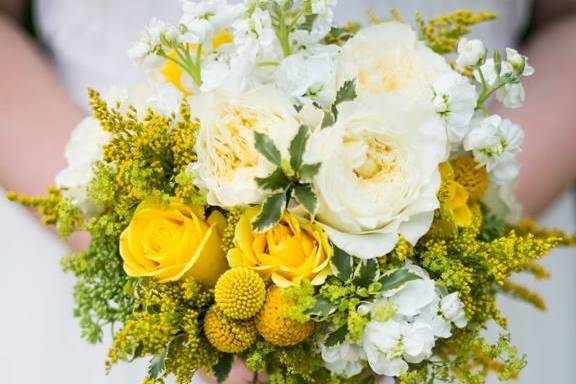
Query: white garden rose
(379, 175)
(389, 58)
(228, 161)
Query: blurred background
(52, 50)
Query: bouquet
(329, 204)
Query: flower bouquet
(329, 204)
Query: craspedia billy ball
(228, 335)
(240, 293)
(274, 327)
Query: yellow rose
(288, 253)
(171, 242)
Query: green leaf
(337, 337)
(366, 273)
(157, 364)
(322, 308)
(222, 368)
(276, 181)
(297, 147)
(266, 147)
(328, 119)
(270, 213)
(306, 196)
(397, 279)
(342, 261)
(347, 92)
(308, 22)
(308, 172)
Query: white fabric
(39, 338)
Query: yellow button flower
(288, 253)
(171, 242)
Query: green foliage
(347, 92)
(290, 179)
(304, 194)
(99, 292)
(222, 368)
(166, 325)
(270, 213)
(267, 148)
(396, 279)
(342, 262)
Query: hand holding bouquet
(329, 204)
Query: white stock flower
(455, 100)
(255, 39)
(495, 142)
(343, 359)
(142, 52)
(418, 341)
(453, 309)
(165, 99)
(382, 344)
(84, 148)
(501, 201)
(323, 22)
(379, 175)
(204, 19)
(228, 161)
(231, 74)
(512, 94)
(414, 296)
(519, 62)
(404, 324)
(470, 53)
(310, 75)
(388, 58)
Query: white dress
(39, 338)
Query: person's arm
(36, 113)
(549, 114)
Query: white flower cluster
(403, 328)
(237, 47)
(493, 141)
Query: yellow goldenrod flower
(472, 176)
(455, 199)
(172, 242)
(274, 327)
(288, 253)
(228, 335)
(240, 293)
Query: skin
(28, 83)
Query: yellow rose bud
(288, 253)
(171, 242)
